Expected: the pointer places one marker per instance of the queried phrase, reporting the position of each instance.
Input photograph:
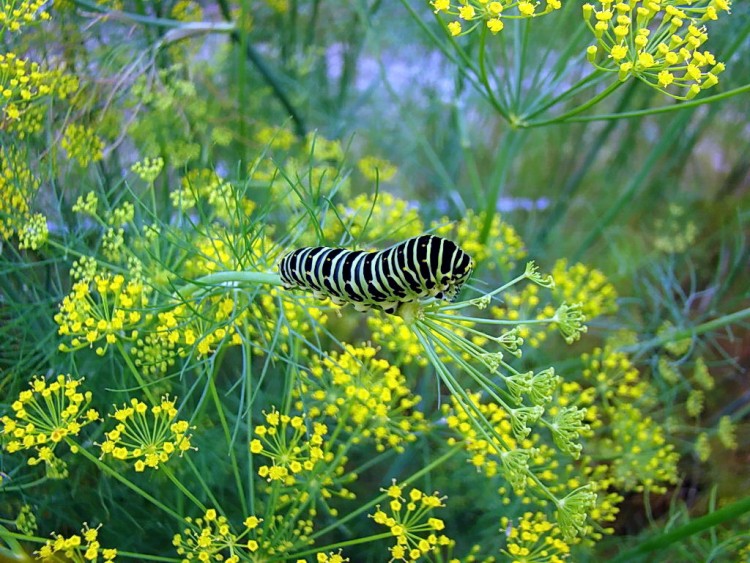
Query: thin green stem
(136, 373)
(367, 506)
(177, 483)
(680, 334)
(80, 450)
(228, 437)
(707, 522)
(666, 109)
(575, 111)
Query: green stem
(168, 472)
(725, 514)
(575, 111)
(675, 335)
(129, 484)
(228, 438)
(665, 109)
(137, 374)
(365, 507)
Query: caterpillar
(420, 267)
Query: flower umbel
(416, 532)
(45, 415)
(657, 42)
(76, 548)
(150, 436)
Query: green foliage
(162, 396)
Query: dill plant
(159, 378)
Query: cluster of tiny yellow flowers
(501, 452)
(502, 248)
(534, 539)
(641, 457)
(474, 13)
(301, 315)
(17, 187)
(656, 41)
(211, 538)
(76, 548)
(105, 308)
(285, 440)
(150, 436)
(148, 168)
(26, 520)
(365, 395)
(674, 233)
(82, 144)
(376, 169)
(205, 187)
(372, 220)
(15, 15)
(275, 137)
(34, 233)
(395, 336)
(21, 82)
(187, 11)
(46, 415)
(409, 519)
(86, 205)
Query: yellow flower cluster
(502, 248)
(641, 457)
(45, 415)
(34, 232)
(148, 436)
(76, 548)
(366, 395)
(394, 335)
(205, 187)
(376, 169)
(371, 220)
(491, 13)
(300, 316)
(534, 539)
(82, 144)
(657, 41)
(17, 187)
(148, 169)
(417, 533)
(15, 15)
(103, 308)
(489, 454)
(285, 440)
(211, 538)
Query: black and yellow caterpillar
(423, 266)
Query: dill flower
(148, 169)
(46, 415)
(376, 169)
(372, 219)
(409, 519)
(206, 190)
(364, 394)
(212, 538)
(82, 144)
(501, 249)
(702, 447)
(34, 232)
(105, 308)
(25, 522)
(77, 548)
(534, 539)
(87, 205)
(16, 15)
(726, 433)
(18, 185)
(490, 14)
(275, 137)
(150, 436)
(656, 42)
